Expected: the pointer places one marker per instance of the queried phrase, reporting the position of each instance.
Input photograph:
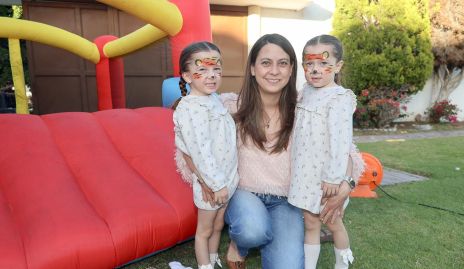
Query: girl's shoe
(215, 260)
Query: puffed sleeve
(229, 100)
(194, 129)
(340, 130)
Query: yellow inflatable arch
(168, 21)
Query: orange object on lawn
(370, 179)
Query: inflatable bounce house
(96, 190)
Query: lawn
(386, 233)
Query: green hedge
(387, 45)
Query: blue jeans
(270, 223)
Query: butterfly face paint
(204, 65)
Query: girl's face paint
(320, 66)
(196, 75)
(205, 73)
(208, 62)
(321, 56)
(203, 65)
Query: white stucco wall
(419, 102)
(300, 26)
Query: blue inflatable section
(170, 91)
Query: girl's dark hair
(250, 109)
(184, 60)
(328, 40)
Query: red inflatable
(90, 190)
(196, 27)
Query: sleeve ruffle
(229, 100)
(343, 91)
(183, 169)
(358, 163)
(354, 101)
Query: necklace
(267, 124)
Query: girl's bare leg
(203, 234)
(343, 254)
(312, 242)
(214, 240)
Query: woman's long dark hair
(184, 59)
(250, 110)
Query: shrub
(378, 106)
(387, 47)
(442, 111)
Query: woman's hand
(206, 192)
(334, 205)
(329, 190)
(221, 196)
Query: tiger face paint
(205, 72)
(203, 64)
(320, 65)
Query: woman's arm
(207, 192)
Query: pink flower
(365, 92)
(453, 118)
(405, 108)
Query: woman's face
(272, 69)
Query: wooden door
(62, 81)
(229, 28)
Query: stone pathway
(420, 135)
(392, 176)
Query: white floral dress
(321, 143)
(206, 132)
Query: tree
(447, 21)
(388, 53)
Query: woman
(258, 214)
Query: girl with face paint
(321, 146)
(205, 134)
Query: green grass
(386, 233)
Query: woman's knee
(251, 233)
(248, 220)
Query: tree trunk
(445, 82)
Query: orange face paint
(204, 64)
(328, 70)
(321, 56)
(208, 62)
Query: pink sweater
(259, 171)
